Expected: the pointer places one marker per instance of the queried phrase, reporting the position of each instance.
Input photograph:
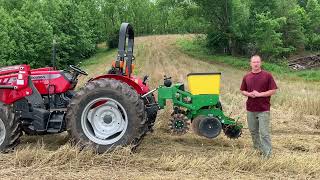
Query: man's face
(255, 63)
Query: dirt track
(295, 112)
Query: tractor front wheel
(10, 130)
(106, 114)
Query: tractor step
(52, 130)
(58, 110)
(56, 122)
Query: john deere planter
(200, 107)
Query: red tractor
(107, 112)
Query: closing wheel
(105, 114)
(232, 131)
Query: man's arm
(265, 94)
(244, 89)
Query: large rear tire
(105, 114)
(10, 130)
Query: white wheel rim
(2, 131)
(106, 123)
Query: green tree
(240, 25)
(267, 37)
(313, 12)
(74, 29)
(263, 6)
(294, 29)
(228, 24)
(7, 47)
(28, 27)
(12, 4)
(218, 14)
(32, 37)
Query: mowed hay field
(295, 132)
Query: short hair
(256, 56)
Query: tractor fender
(134, 82)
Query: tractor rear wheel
(10, 130)
(105, 114)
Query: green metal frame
(196, 105)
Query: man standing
(259, 85)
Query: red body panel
(134, 82)
(16, 76)
(42, 79)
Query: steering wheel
(80, 71)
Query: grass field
(295, 132)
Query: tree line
(29, 27)
(274, 29)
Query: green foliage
(313, 12)
(266, 36)
(113, 39)
(219, 15)
(274, 29)
(263, 6)
(28, 46)
(196, 48)
(293, 31)
(29, 27)
(6, 44)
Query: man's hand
(256, 93)
(248, 94)
(252, 95)
(264, 94)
